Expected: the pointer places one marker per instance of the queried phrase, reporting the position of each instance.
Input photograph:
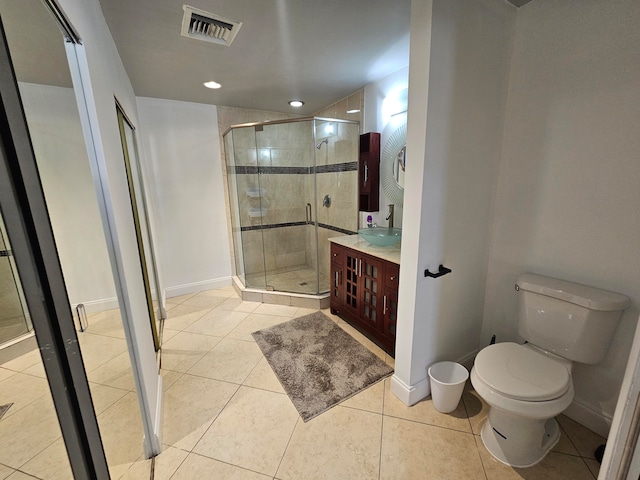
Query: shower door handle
(308, 212)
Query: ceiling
(318, 51)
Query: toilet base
(517, 441)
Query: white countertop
(356, 242)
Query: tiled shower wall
(337, 176)
(343, 184)
(355, 101)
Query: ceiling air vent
(208, 27)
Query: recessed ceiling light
(355, 110)
(296, 103)
(212, 84)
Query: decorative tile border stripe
(251, 228)
(337, 167)
(337, 229)
(266, 170)
(254, 170)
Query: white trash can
(447, 383)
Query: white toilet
(527, 385)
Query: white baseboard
(159, 415)
(585, 415)
(196, 287)
(410, 394)
(467, 360)
(95, 306)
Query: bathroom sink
(381, 236)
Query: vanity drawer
(391, 274)
(337, 254)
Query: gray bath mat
(318, 364)
(4, 408)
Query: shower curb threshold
(280, 298)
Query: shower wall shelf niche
(255, 212)
(255, 192)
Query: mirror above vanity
(393, 161)
(398, 167)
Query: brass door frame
(123, 123)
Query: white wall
(457, 91)
(184, 175)
(54, 125)
(467, 101)
(569, 187)
(382, 99)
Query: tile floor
(226, 415)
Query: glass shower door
(14, 319)
(246, 197)
(286, 174)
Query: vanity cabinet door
(337, 275)
(367, 164)
(390, 311)
(369, 172)
(371, 286)
(390, 300)
(344, 281)
(352, 291)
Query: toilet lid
(520, 372)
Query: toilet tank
(574, 321)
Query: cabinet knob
(393, 278)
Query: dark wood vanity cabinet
(390, 299)
(369, 172)
(364, 292)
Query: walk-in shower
(278, 174)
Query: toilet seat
(519, 372)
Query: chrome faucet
(390, 216)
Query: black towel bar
(442, 270)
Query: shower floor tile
(294, 280)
